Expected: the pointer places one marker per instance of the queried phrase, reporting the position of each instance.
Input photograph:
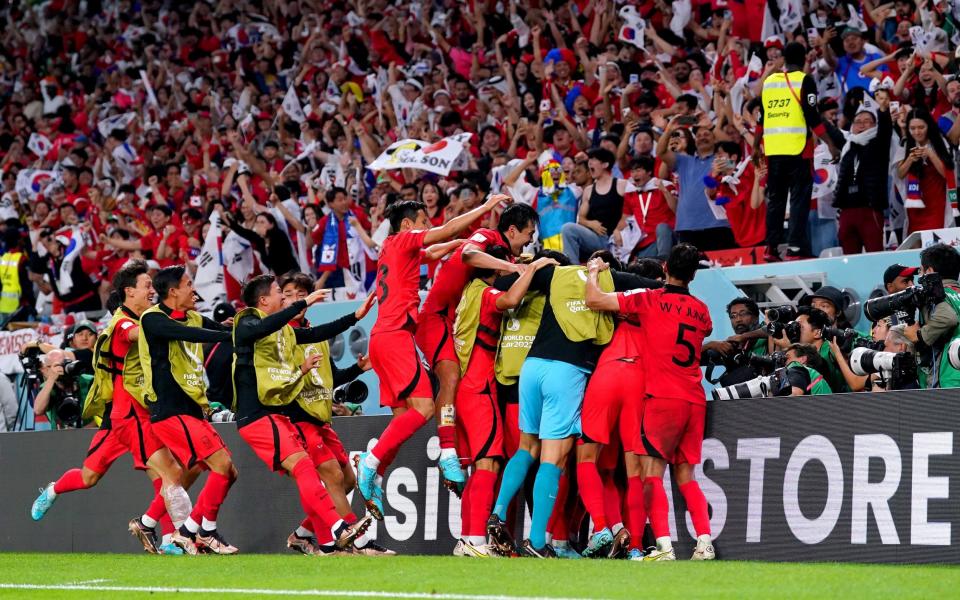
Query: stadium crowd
(147, 147)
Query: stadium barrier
(854, 477)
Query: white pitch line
(265, 592)
(89, 582)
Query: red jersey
(676, 324)
(650, 209)
(479, 375)
(627, 342)
(453, 275)
(398, 281)
(123, 404)
(749, 225)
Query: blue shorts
(551, 394)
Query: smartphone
(894, 106)
(634, 78)
(728, 15)
(545, 105)
(687, 120)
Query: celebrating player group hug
(521, 361)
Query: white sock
(664, 544)
(475, 540)
(336, 526)
(616, 528)
(447, 453)
(548, 537)
(378, 480)
(167, 539)
(148, 521)
(361, 541)
(371, 461)
(50, 493)
(705, 539)
(303, 532)
(191, 525)
(560, 544)
(209, 525)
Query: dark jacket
(864, 170)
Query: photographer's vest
(784, 126)
(947, 376)
(106, 366)
(818, 385)
(468, 323)
(316, 395)
(10, 279)
(517, 331)
(278, 379)
(578, 323)
(835, 375)
(186, 361)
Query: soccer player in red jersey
(267, 380)
(171, 334)
(434, 336)
(609, 418)
(404, 385)
(480, 431)
(126, 423)
(674, 407)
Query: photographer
(804, 371)
(898, 278)
(77, 346)
(749, 338)
(810, 323)
(940, 321)
(57, 403)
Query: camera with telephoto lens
(778, 317)
(70, 407)
(843, 337)
(898, 370)
(928, 290)
(765, 386)
(768, 363)
(30, 360)
(354, 392)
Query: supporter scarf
(861, 139)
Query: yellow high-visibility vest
(10, 278)
(784, 127)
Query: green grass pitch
(279, 576)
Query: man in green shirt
(803, 376)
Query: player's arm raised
(597, 299)
(438, 251)
(478, 259)
(459, 223)
(512, 297)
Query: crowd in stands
(126, 125)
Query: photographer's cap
(896, 270)
(89, 326)
(828, 293)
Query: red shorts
(479, 425)
(394, 357)
(273, 439)
(671, 429)
(435, 338)
(132, 434)
(322, 443)
(191, 440)
(611, 403)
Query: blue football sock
(544, 497)
(513, 475)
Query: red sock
(697, 507)
(306, 524)
(655, 499)
(591, 492)
(314, 497)
(611, 499)
(213, 494)
(636, 511)
(198, 508)
(349, 518)
(166, 524)
(466, 500)
(70, 481)
(157, 508)
(397, 432)
(446, 433)
(481, 502)
(557, 526)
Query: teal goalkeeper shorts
(551, 394)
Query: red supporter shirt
(479, 375)
(453, 275)
(123, 405)
(398, 282)
(627, 342)
(650, 209)
(176, 242)
(749, 225)
(676, 323)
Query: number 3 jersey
(673, 327)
